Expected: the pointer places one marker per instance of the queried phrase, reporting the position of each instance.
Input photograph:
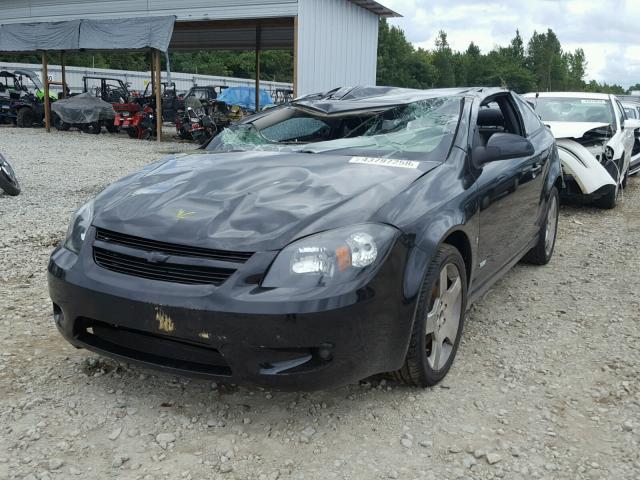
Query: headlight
(608, 153)
(331, 257)
(77, 231)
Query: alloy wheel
(443, 320)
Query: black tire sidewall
(9, 187)
(543, 232)
(25, 117)
(446, 254)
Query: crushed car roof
(367, 98)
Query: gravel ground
(545, 384)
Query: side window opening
(496, 115)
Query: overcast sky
(607, 30)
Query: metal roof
(376, 8)
(21, 11)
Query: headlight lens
(331, 257)
(77, 231)
(608, 153)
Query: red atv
(136, 120)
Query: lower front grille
(166, 272)
(150, 348)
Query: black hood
(249, 201)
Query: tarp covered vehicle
(85, 111)
(245, 98)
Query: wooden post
(258, 47)
(45, 81)
(64, 75)
(295, 57)
(153, 76)
(158, 82)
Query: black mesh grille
(167, 272)
(170, 248)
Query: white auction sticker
(599, 102)
(385, 162)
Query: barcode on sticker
(385, 162)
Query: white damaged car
(595, 141)
(632, 109)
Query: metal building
(334, 41)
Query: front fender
(427, 241)
(434, 206)
(587, 171)
(554, 172)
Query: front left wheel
(438, 322)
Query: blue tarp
(245, 97)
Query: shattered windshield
(414, 131)
(574, 110)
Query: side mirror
(632, 123)
(503, 146)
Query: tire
(60, 125)
(132, 132)
(437, 318)
(543, 251)
(111, 128)
(95, 127)
(8, 181)
(25, 118)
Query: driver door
(509, 190)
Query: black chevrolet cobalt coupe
(316, 243)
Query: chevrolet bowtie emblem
(181, 215)
(156, 257)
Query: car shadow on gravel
(106, 374)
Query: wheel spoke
(432, 319)
(444, 280)
(451, 296)
(436, 353)
(449, 330)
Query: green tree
(546, 61)
(443, 62)
(577, 69)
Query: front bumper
(237, 332)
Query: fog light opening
(57, 314)
(325, 352)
